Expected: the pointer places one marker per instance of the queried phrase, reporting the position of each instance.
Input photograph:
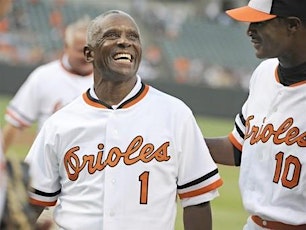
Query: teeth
(123, 56)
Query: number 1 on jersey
(144, 184)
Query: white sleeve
(198, 178)
(23, 109)
(43, 162)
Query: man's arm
(9, 134)
(221, 150)
(36, 211)
(198, 217)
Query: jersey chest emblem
(135, 152)
(286, 133)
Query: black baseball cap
(262, 10)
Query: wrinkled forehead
(110, 21)
(117, 20)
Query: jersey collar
(136, 94)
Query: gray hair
(76, 28)
(94, 29)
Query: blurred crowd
(32, 34)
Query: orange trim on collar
(92, 103)
(127, 105)
(137, 99)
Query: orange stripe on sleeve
(41, 203)
(21, 123)
(203, 190)
(234, 142)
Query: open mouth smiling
(123, 57)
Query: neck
(290, 76)
(113, 92)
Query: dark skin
(197, 217)
(115, 75)
(282, 38)
(115, 59)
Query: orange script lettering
(285, 133)
(94, 162)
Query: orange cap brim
(248, 14)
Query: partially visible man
(6, 5)
(14, 210)
(269, 137)
(50, 86)
(118, 156)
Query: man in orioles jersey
(269, 137)
(117, 156)
(50, 86)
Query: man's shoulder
(161, 93)
(166, 98)
(269, 63)
(50, 67)
(46, 71)
(72, 109)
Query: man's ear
(294, 23)
(88, 54)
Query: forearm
(35, 213)
(9, 134)
(198, 217)
(221, 150)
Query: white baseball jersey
(271, 132)
(2, 179)
(121, 167)
(47, 89)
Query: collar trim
(126, 104)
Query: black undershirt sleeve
(237, 156)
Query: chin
(261, 55)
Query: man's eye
(134, 36)
(112, 35)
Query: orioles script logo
(94, 162)
(285, 133)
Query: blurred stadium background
(191, 50)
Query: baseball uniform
(47, 89)
(121, 167)
(271, 130)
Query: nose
(123, 41)
(251, 29)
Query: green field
(228, 213)
(227, 210)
